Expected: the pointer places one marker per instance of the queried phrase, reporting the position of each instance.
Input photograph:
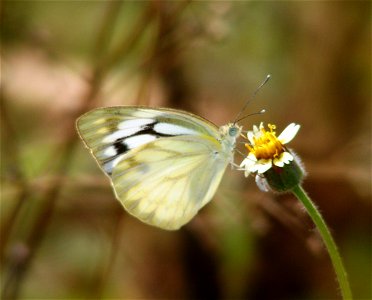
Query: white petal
(251, 157)
(248, 165)
(263, 165)
(289, 133)
(252, 168)
(249, 161)
(258, 129)
(250, 136)
(285, 158)
(244, 163)
(279, 163)
(262, 183)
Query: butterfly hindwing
(166, 182)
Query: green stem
(318, 220)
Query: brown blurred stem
(163, 54)
(106, 29)
(12, 152)
(128, 42)
(98, 286)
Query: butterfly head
(230, 133)
(234, 130)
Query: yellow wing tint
(164, 183)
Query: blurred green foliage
(63, 233)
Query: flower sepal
(283, 179)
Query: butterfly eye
(233, 131)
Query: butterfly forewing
(112, 131)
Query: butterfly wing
(164, 164)
(110, 132)
(164, 183)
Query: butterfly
(164, 164)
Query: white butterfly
(164, 164)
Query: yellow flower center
(266, 145)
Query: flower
(266, 150)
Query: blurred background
(63, 234)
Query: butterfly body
(164, 164)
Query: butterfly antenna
(253, 114)
(250, 100)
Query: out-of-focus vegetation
(63, 235)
